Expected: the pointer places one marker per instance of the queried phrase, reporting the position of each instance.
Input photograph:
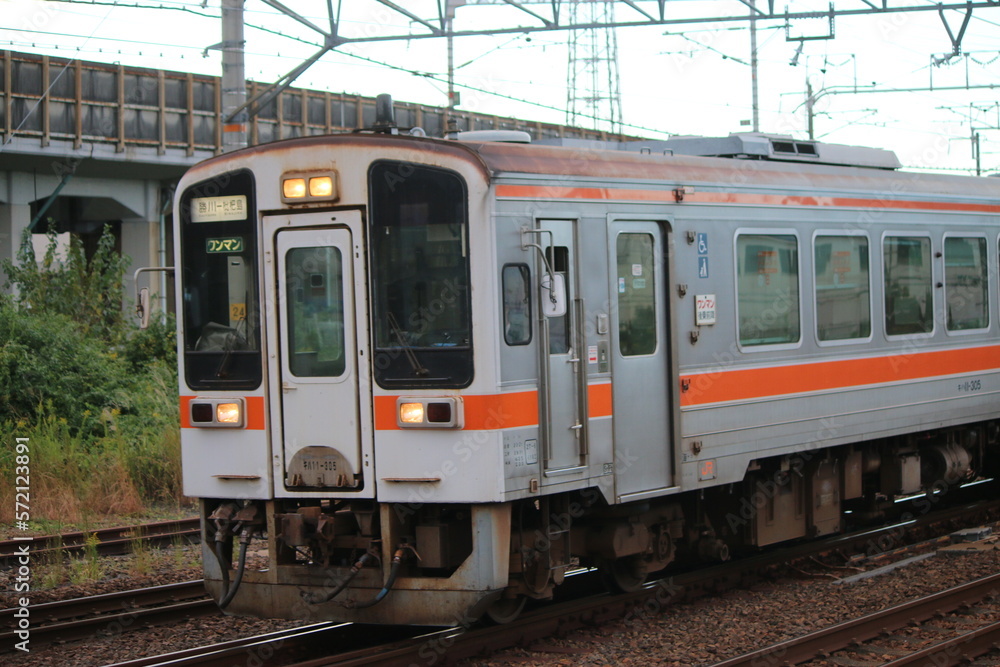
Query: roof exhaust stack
(385, 115)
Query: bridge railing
(57, 99)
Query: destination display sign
(219, 209)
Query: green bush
(49, 365)
(89, 293)
(95, 396)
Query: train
(423, 379)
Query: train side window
(636, 295)
(767, 277)
(966, 283)
(909, 296)
(843, 288)
(516, 304)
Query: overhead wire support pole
(754, 12)
(956, 42)
(331, 40)
(333, 21)
(413, 17)
(264, 97)
(754, 93)
(234, 82)
(447, 18)
(547, 23)
(294, 15)
(550, 26)
(639, 9)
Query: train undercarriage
(450, 564)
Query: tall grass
(73, 479)
(95, 398)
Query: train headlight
(217, 413)
(321, 186)
(228, 413)
(293, 188)
(306, 188)
(411, 413)
(429, 412)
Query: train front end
(326, 351)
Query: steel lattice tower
(593, 96)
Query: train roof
(638, 162)
(589, 161)
(751, 146)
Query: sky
(674, 80)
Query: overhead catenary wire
(668, 100)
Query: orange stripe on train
(631, 194)
(498, 411)
(743, 384)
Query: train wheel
(506, 610)
(624, 575)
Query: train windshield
(220, 301)
(422, 322)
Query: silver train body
(431, 376)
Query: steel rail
(960, 650)
(112, 614)
(260, 648)
(111, 541)
(823, 642)
(457, 643)
(62, 610)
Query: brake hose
(397, 559)
(240, 568)
(313, 598)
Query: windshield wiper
(232, 337)
(227, 352)
(418, 368)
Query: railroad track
(293, 644)
(110, 614)
(873, 634)
(535, 625)
(110, 541)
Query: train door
(314, 273)
(560, 397)
(640, 337)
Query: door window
(314, 293)
(559, 327)
(636, 295)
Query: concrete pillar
(138, 243)
(14, 219)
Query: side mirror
(553, 294)
(142, 308)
